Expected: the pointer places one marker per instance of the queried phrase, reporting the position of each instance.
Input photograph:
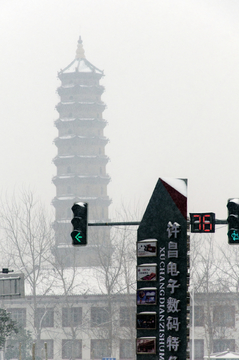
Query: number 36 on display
(202, 222)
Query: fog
(172, 87)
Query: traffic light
(79, 222)
(233, 221)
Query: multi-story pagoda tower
(81, 160)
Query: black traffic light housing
(202, 222)
(79, 222)
(233, 221)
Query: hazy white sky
(172, 90)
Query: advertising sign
(147, 296)
(146, 320)
(147, 248)
(147, 272)
(146, 345)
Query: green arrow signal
(235, 236)
(78, 237)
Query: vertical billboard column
(162, 274)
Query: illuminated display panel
(202, 222)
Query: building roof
(80, 63)
(227, 355)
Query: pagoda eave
(74, 139)
(71, 89)
(75, 159)
(102, 201)
(101, 123)
(74, 105)
(88, 179)
(78, 75)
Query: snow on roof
(65, 197)
(148, 264)
(88, 156)
(71, 136)
(64, 137)
(81, 119)
(86, 86)
(178, 184)
(87, 102)
(80, 156)
(73, 197)
(67, 119)
(65, 156)
(68, 85)
(224, 355)
(87, 119)
(64, 176)
(71, 85)
(147, 312)
(81, 176)
(148, 288)
(67, 102)
(147, 240)
(235, 200)
(79, 102)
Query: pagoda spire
(80, 52)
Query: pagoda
(81, 159)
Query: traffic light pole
(135, 223)
(221, 222)
(115, 223)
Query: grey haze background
(172, 86)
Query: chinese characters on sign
(173, 324)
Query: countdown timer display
(202, 222)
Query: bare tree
(203, 280)
(67, 283)
(27, 239)
(116, 279)
(26, 246)
(229, 267)
(209, 278)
